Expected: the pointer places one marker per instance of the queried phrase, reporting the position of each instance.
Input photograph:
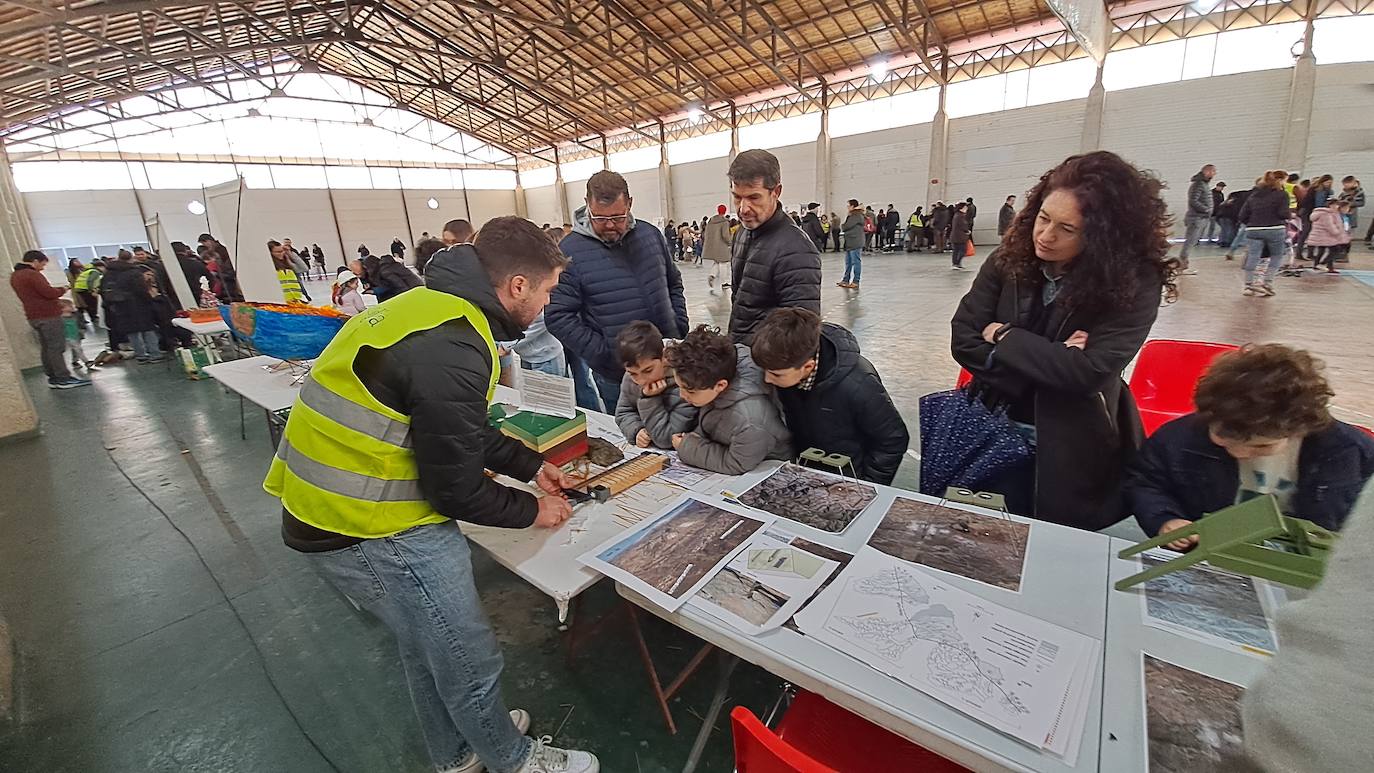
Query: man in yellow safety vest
(386, 448)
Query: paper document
(682, 474)
(1208, 604)
(546, 394)
(763, 585)
(1016, 673)
(668, 558)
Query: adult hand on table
(552, 479)
(553, 511)
(1181, 545)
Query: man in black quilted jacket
(773, 264)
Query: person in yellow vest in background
(86, 287)
(386, 448)
(286, 274)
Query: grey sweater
(662, 416)
(1312, 709)
(741, 427)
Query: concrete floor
(158, 624)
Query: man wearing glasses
(618, 273)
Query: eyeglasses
(610, 219)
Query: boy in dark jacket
(738, 422)
(650, 411)
(832, 397)
(1261, 427)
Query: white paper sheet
(546, 394)
(682, 474)
(763, 585)
(1001, 667)
(669, 557)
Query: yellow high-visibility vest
(87, 281)
(345, 462)
(290, 286)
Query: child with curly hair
(1262, 427)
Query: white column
(522, 207)
(734, 134)
(665, 181)
(939, 152)
(1092, 116)
(1297, 125)
(18, 349)
(823, 160)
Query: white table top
(201, 328)
(1064, 583)
(1123, 716)
(264, 381)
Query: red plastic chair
(1165, 376)
(964, 378)
(816, 736)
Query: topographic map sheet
(1016, 673)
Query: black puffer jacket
(772, 266)
(847, 410)
(390, 278)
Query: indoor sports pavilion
(464, 385)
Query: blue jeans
(1276, 239)
(581, 374)
(853, 264)
(554, 367)
(609, 391)
(419, 584)
(145, 344)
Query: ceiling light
(878, 70)
(195, 207)
(695, 115)
(432, 203)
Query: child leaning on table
(738, 423)
(650, 410)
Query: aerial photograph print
(816, 499)
(986, 548)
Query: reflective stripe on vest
(345, 462)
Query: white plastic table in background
(266, 382)
(1123, 713)
(204, 333)
(1065, 582)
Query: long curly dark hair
(1125, 232)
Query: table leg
(243, 427)
(664, 694)
(708, 725)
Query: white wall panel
(1173, 129)
(372, 218)
(880, 168)
(542, 204)
(261, 215)
(1342, 130)
(169, 206)
(798, 163)
(996, 155)
(69, 218)
(644, 190)
(485, 205)
(699, 187)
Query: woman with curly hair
(1261, 427)
(1052, 319)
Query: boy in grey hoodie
(650, 410)
(738, 422)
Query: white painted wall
(879, 168)
(996, 155)
(698, 187)
(542, 203)
(70, 218)
(1341, 141)
(644, 188)
(1173, 129)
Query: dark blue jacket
(606, 287)
(1181, 473)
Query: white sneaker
(1188, 272)
(711, 281)
(471, 764)
(547, 759)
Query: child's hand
(655, 389)
(642, 439)
(1181, 545)
(677, 440)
